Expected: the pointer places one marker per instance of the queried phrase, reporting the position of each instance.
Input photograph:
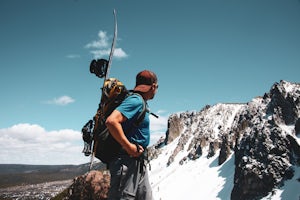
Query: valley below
(41, 191)
(43, 182)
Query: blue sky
(204, 52)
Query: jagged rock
(265, 152)
(160, 143)
(153, 152)
(262, 162)
(175, 127)
(213, 146)
(297, 127)
(182, 141)
(91, 186)
(284, 104)
(225, 150)
(195, 153)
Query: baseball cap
(144, 81)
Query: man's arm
(113, 123)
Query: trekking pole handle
(156, 116)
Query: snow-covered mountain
(232, 151)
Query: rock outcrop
(266, 153)
(91, 186)
(261, 134)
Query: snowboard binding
(99, 67)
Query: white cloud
(61, 101)
(32, 144)
(158, 128)
(100, 53)
(119, 53)
(101, 48)
(158, 124)
(73, 56)
(102, 41)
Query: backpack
(105, 147)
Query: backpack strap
(142, 115)
(145, 109)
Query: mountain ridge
(260, 134)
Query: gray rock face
(261, 134)
(265, 155)
(175, 127)
(93, 185)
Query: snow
(200, 178)
(204, 178)
(287, 128)
(220, 117)
(289, 87)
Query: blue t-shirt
(131, 107)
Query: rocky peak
(260, 133)
(284, 102)
(208, 128)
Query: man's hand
(134, 150)
(113, 123)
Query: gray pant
(129, 180)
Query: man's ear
(153, 86)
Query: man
(129, 176)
